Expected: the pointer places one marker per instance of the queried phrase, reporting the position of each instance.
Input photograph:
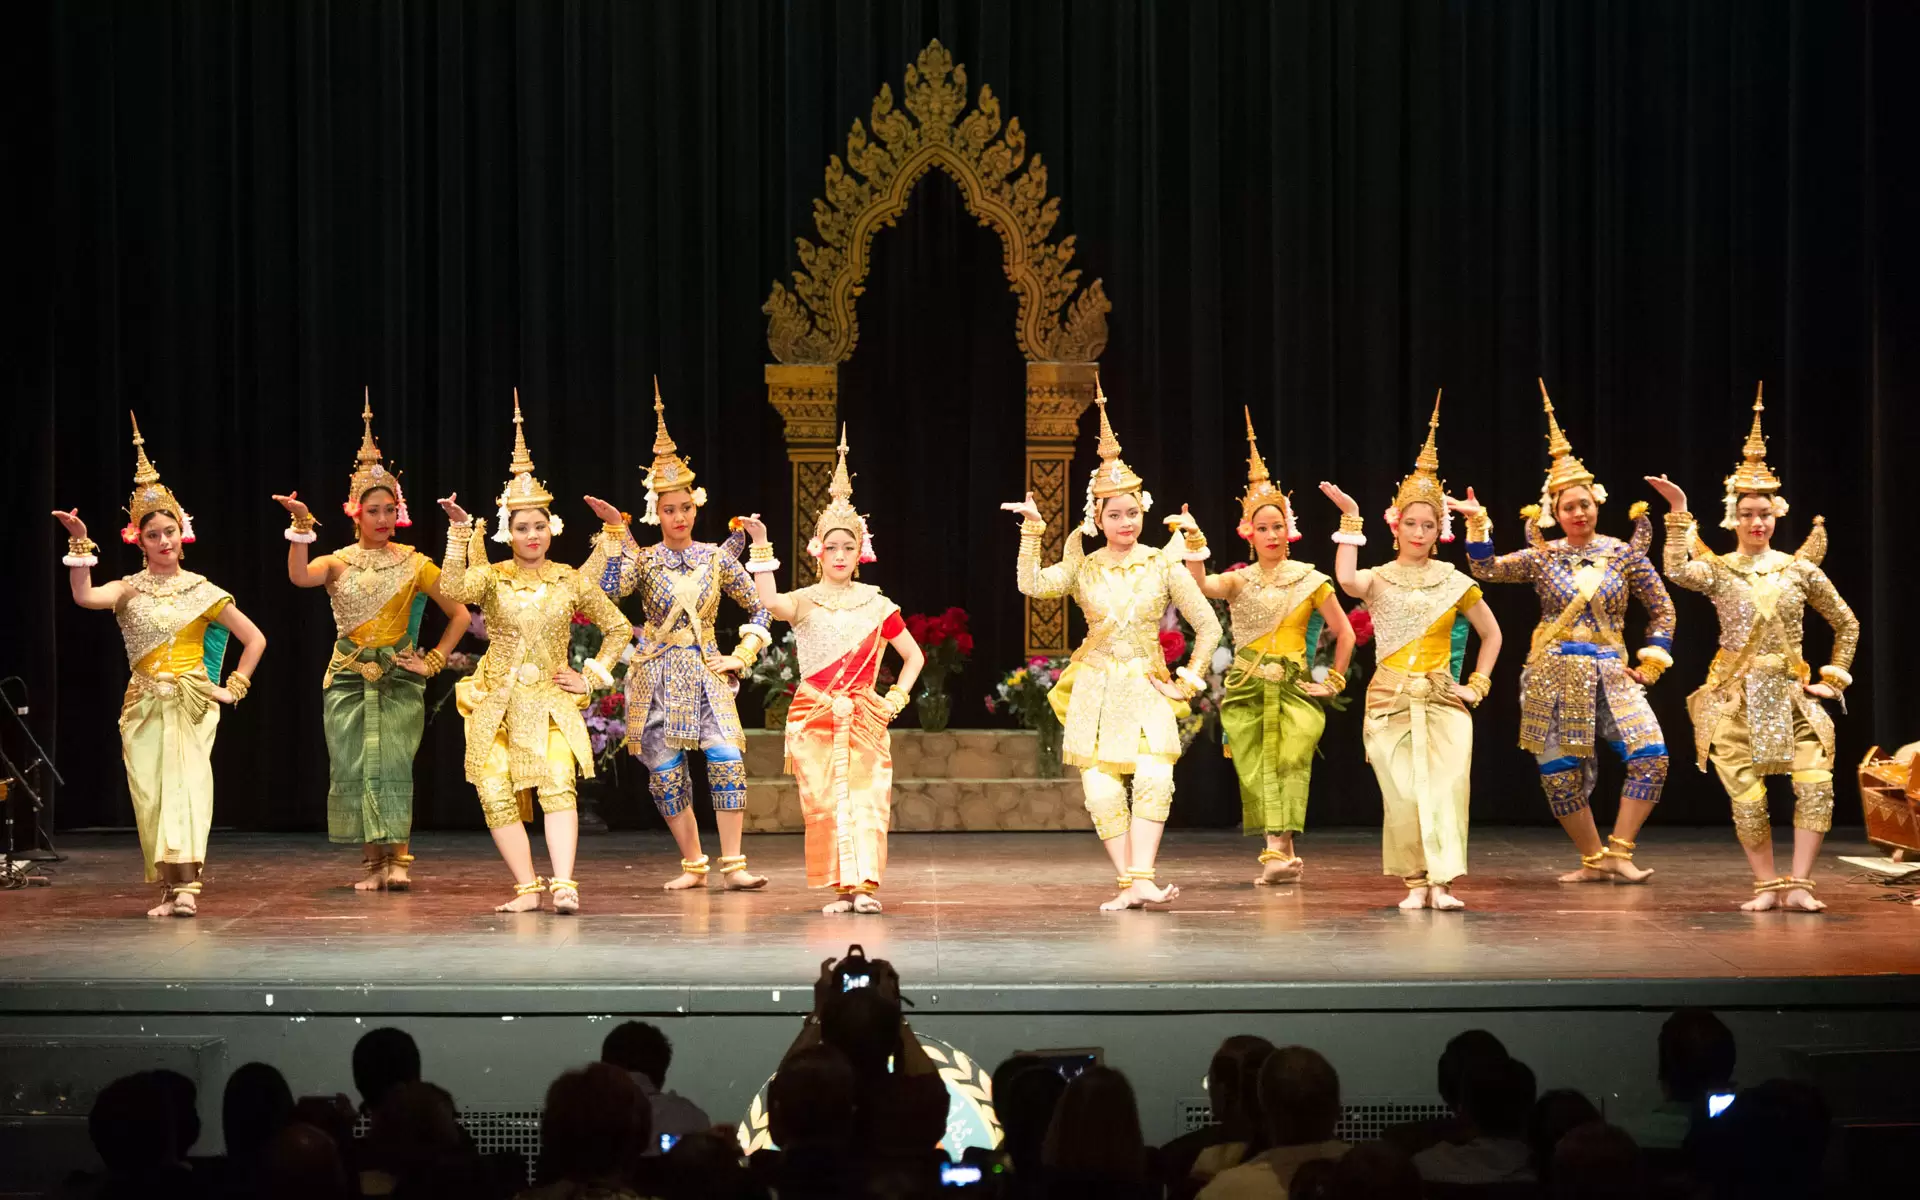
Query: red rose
(965, 643)
(580, 618)
(1173, 645)
(610, 704)
(1362, 622)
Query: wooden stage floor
(1006, 920)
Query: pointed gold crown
(669, 472)
(1113, 477)
(1565, 470)
(1753, 476)
(368, 470)
(839, 512)
(1261, 490)
(149, 494)
(522, 489)
(1424, 485)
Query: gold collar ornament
(370, 471)
(149, 494)
(669, 472)
(1113, 477)
(840, 513)
(1565, 470)
(1261, 490)
(522, 490)
(1425, 486)
(1753, 477)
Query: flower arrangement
(948, 644)
(606, 711)
(1025, 692)
(776, 676)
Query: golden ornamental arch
(814, 327)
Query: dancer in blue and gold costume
(1577, 689)
(679, 686)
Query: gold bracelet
(616, 529)
(436, 662)
(1480, 685)
(747, 651)
(1351, 523)
(304, 522)
(1336, 681)
(1679, 519)
(760, 552)
(1032, 528)
(1479, 527)
(239, 685)
(897, 699)
(81, 547)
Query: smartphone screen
(850, 982)
(1719, 1102)
(667, 1141)
(954, 1174)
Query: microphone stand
(14, 871)
(41, 759)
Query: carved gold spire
(1113, 477)
(522, 489)
(1564, 471)
(839, 512)
(1261, 490)
(1424, 486)
(369, 471)
(149, 494)
(1753, 476)
(669, 472)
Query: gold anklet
(528, 889)
(1592, 861)
(694, 866)
(730, 863)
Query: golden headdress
(1753, 477)
(1425, 486)
(369, 471)
(1565, 470)
(1113, 477)
(1261, 490)
(669, 472)
(149, 494)
(839, 512)
(523, 490)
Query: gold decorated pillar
(807, 397)
(1057, 393)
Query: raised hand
(76, 528)
(1182, 520)
(1025, 509)
(454, 512)
(1470, 507)
(293, 504)
(756, 529)
(606, 512)
(1669, 491)
(1345, 503)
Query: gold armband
(239, 685)
(1679, 519)
(1836, 678)
(1479, 527)
(1031, 528)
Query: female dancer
(1271, 714)
(374, 689)
(1759, 712)
(679, 686)
(1119, 707)
(837, 746)
(1419, 734)
(175, 624)
(525, 736)
(1576, 688)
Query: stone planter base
(962, 779)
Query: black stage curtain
(230, 216)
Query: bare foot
(397, 878)
(1612, 870)
(1764, 902)
(685, 881)
(866, 902)
(1440, 897)
(378, 872)
(1416, 899)
(838, 906)
(566, 898)
(530, 902)
(1803, 900)
(164, 908)
(1281, 870)
(1147, 892)
(742, 881)
(1123, 901)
